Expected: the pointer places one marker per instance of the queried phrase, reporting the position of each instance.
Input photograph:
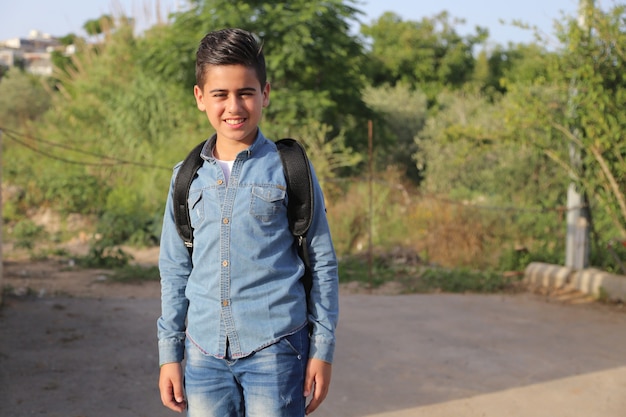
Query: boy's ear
(266, 95)
(197, 92)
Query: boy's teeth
(234, 122)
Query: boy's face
(233, 100)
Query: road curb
(597, 283)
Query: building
(33, 53)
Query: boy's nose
(234, 104)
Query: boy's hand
(316, 381)
(171, 387)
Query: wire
(13, 135)
(51, 156)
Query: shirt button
(220, 182)
(225, 220)
(224, 263)
(225, 303)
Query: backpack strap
(300, 194)
(299, 185)
(184, 177)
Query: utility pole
(577, 244)
(370, 180)
(1, 226)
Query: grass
(356, 269)
(422, 278)
(464, 280)
(132, 274)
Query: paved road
(476, 355)
(397, 356)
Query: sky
(60, 17)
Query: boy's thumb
(178, 395)
(308, 386)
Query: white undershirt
(227, 166)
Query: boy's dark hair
(230, 47)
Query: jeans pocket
(298, 342)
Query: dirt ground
(61, 277)
(56, 315)
(68, 345)
(71, 346)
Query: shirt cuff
(171, 351)
(322, 349)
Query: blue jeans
(268, 383)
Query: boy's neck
(227, 150)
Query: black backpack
(299, 191)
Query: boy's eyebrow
(241, 90)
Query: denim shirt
(242, 284)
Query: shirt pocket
(266, 202)
(196, 208)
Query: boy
(237, 307)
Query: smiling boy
(236, 308)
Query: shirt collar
(207, 149)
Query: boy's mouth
(234, 122)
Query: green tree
(427, 54)
(466, 155)
(313, 61)
(99, 26)
(400, 115)
(518, 63)
(580, 103)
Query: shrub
(102, 256)
(26, 233)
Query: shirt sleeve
(324, 298)
(175, 267)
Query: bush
(517, 259)
(125, 221)
(26, 233)
(357, 269)
(610, 256)
(102, 256)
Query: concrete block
(588, 281)
(594, 282)
(547, 275)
